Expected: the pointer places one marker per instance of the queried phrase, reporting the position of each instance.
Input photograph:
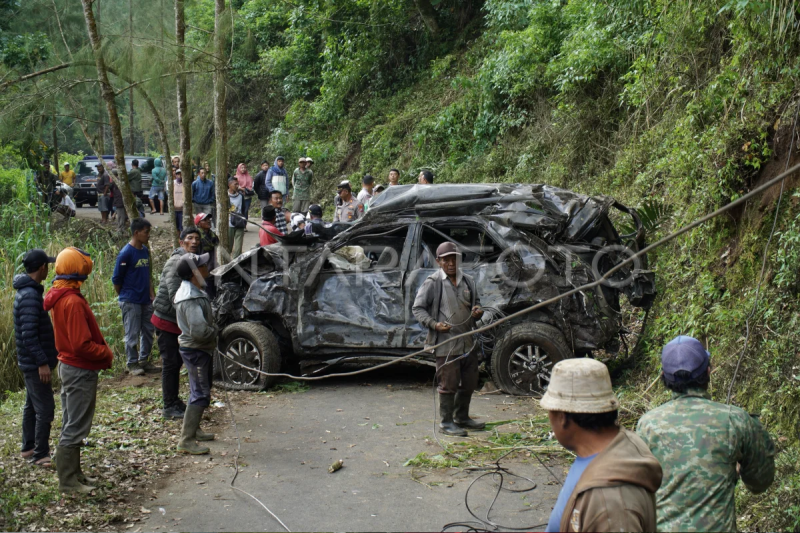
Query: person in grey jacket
(198, 340)
(167, 324)
(447, 304)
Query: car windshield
(87, 167)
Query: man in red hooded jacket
(82, 353)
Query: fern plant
(653, 215)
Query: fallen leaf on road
(145, 511)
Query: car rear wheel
(524, 357)
(253, 346)
(93, 203)
(79, 204)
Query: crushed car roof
(556, 214)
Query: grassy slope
(711, 118)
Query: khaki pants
(122, 220)
(78, 399)
(235, 238)
(301, 206)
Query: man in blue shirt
(611, 486)
(203, 193)
(133, 282)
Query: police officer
(704, 446)
(447, 304)
(350, 209)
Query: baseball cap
(200, 217)
(380, 187)
(309, 160)
(302, 160)
(35, 258)
(684, 353)
(447, 248)
(189, 262)
(344, 185)
(315, 210)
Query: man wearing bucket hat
(198, 340)
(611, 485)
(82, 354)
(704, 446)
(447, 304)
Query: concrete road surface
(374, 423)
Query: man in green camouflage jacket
(703, 446)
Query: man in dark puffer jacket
(36, 355)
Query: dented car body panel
(523, 244)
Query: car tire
(250, 344)
(524, 356)
(93, 203)
(78, 204)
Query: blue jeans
(157, 192)
(200, 365)
(179, 220)
(138, 331)
(37, 415)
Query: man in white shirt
(367, 184)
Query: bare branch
(32, 75)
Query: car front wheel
(524, 357)
(250, 345)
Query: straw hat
(580, 386)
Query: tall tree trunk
(111, 107)
(101, 129)
(131, 133)
(221, 134)
(55, 142)
(183, 115)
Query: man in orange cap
(82, 353)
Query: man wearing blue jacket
(277, 179)
(36, 355)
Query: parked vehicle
(350, 299)
(86, 177)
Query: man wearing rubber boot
(82, 354)
(167, 325)
(447, 304)
(198, 340)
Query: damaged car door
(355, 300)
(482, 258)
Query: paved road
(375, 423)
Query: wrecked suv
(349, 300)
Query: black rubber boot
(461, 415)
(448, 427)
(191, 421)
